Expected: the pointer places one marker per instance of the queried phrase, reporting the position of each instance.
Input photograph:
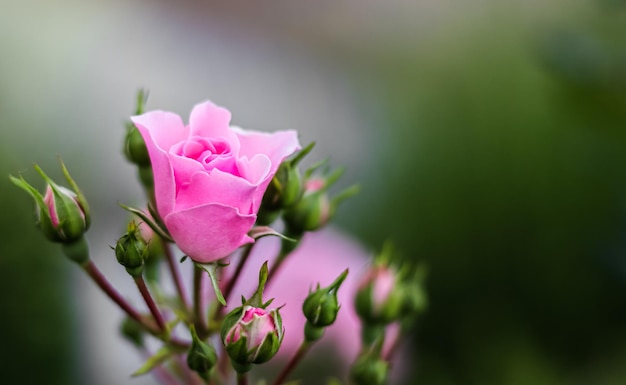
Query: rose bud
(252, 335)
(132, 250)
(63, 215)
(369, 369)
(321, 308)
(201, 357)
(380, 296)
(135, 148)
(315, 209)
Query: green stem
(147, 297)
(200, 324)
(96, 275)
(295, 360)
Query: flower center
(212, 153)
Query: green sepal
(267, 350)
(258, 232)
(256, 300)
(211, 269)
(238, 353)
(80, 197)
(159, 230)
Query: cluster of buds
(384, 296)
(303, 200)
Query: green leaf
(211, 269)
(149, 221)
(161, 356)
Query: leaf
(157, 359)
(263, 231)
(149, 221)
(211, 270)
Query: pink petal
(216, 187)
(277, 145)
(160, 130)
(166, 128)
(184, 169)
(255, 170)
(216, 231)
(210, 121)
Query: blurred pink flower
(321, 257)
(210, 177)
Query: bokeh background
(489, 139)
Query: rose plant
(210, 177)
(208, 191)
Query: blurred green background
(489, 138)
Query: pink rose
(210, 177)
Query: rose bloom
(210, 177)
(321, 257)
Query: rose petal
(166, 128)
(160, 130)
(254, 170)
(216, 187)
(210, 121)
(210, 232)
(184, 169)
(277, 145)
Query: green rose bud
(132, 250)
(201, 357)
(369, 370)
(321, 308)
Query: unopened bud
(201, 357)
(132, 250)
(135, 148)
(62, 214)
(252, 335)
(380, 297)
(321, 306)
(369, 370)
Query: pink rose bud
(63, 215)
(252, 335)
(209, 177)
(380, 296)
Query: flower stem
(295, 360)
(171, 263)
(198, 299)
(96, 275)
(233, 280)
(147, 297)
(242, 378)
